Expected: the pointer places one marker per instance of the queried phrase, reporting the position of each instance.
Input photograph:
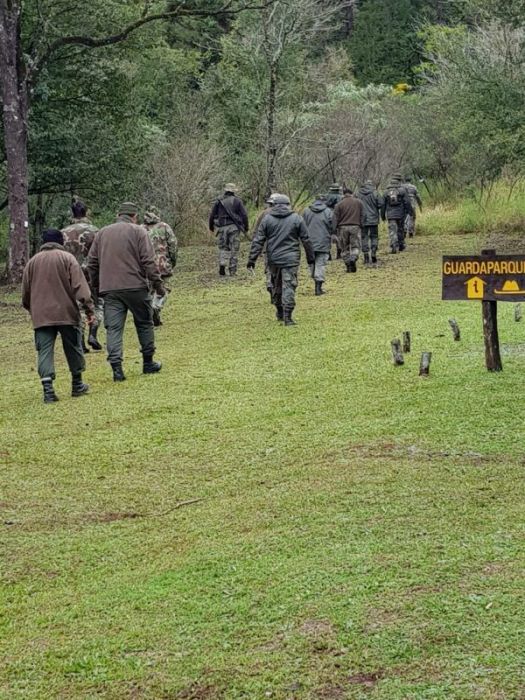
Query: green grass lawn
(359, 531)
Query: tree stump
(517, 313)
(397, 353)
(407, 342)
(455, 328)
(490, 334)
(424, 367)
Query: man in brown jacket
(347, 221)
(53, 286)
(121, 266)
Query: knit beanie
(53, 235)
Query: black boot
(374, 259)
(287, 317)
(338, 257)
(222, 270)
(279, 314)
(92, 337)
(49, 392)
(150, 366)
(393, 251)
(366, 257)
(118, 372)
(78, 388)
(318, 289)
(85, 348)
(352, 266)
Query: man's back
(78, 238)
(349, 212)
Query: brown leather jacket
(349, 212)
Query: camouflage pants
(335, 241)
(268, 274)
(350, 242)
(396, 234)
(99, 314)
(370, 239)
(318, 269)
(284, 284)
(410, 224)
(45, 339)
(229, 242)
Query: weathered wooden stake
(489, 310)
(424, 367)
(455, 328)
(397, 353)
(517, 313)
(407, 342)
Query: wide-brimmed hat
(230, 187)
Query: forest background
(280, 95)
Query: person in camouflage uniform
(334, 196)
(228, 219)
(396, 207)
(165, 246)
(267, 271)
(372, 204)
(415, 201)
(78, 239)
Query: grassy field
(357, 531)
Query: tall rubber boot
(78, 388)
(150, 366)
(366, 257)
(287, 317)
(279, 313)
(49, 392)
(319, 291)
(374, 259)
(92, 337)
(222, 270)
(352, 266)
(118, 372)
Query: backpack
(393, 197)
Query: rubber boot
(279, 313)
(366, 257)
(222, 270)
(374, 259)
(348, 269)
(118, 372)
(150, 366)
(338, 256)
(92, 337)
(319, 289)
(49, 392)
(78, 388)
(352, 265)
(287, 317)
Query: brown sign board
(483, 278)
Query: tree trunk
(14, 99)
(271, 147)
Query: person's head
(270, 200)
(347, 190)
(408, 179)
(336, 187)
(369, 183)
(230, 188)
(152, 216)
(130, 210)
(281, 199)
(53, 235)
(78, 208)
(321, 198)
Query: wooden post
(490, 330)
(455, 328)
(407, 341)
(424, 367)
(517, 313)
(397, 353)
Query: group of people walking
(350, 220)
(83, 276)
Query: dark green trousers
(116, 307)
(45, 339)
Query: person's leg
(393, 235)
(45, 345)
(72, 344)
(321, 260)
(115, 312)
(139, 303)
(401, 234)
(366, 244)
(289, 284)
(344, 242)
(277, 291)
(94, 328)
(268, 276)
(235, 246)
(374, 242)
(224, 253)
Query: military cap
(271, 199)
(281, 199)
(128, 209)
(230, 187)
(152, 216)
(335, 187)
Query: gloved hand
(251, 266)
(160, 291)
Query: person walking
(334, 196)
(282, 231)
(228, 219)
(318, 220)
(165, 247)
(347, 222)
(121, 266)
(267, 272)
(372, 203)
(53, 288)
(415, 201)
(396, 207)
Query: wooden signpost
(487, 278)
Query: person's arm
(80, 287)
(244, 216)
(173, 245)
(418, 200)
(213, 216)
(258, 242)
(409, 209)
(307, 243)
(92, 266)
(26, 289)
(361, 214)
(383, 208)
(147, 261)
